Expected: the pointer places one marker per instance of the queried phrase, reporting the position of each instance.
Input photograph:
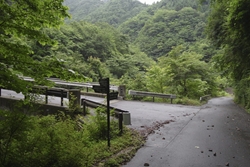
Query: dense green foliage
(94, 50)
(23, 23)
(228, 28)
(168, 28)
(113, 12)
(28, 141)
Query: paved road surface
(216, 135)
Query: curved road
(216, 135)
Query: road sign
(104, 82)
(113, 95)
(99, 89)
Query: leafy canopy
(23, 22)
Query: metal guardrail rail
(206, 97)
(75, 84)
(96, 104)
(152, 94)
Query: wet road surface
(214, 135)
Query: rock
(210, 150)
(163, 138)
(215, 154)
(203, 120)
(227, 164)
(146, 164)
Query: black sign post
(104, 86)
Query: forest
(159, 48)
(185, 47)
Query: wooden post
(46, 95)
(84, 107)
(120, 116)
(61, 97)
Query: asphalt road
(214, 135)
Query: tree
(156, 79)
(188, 75)
(23, 22)
(169, 28)
(228, 28)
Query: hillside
(113, 12)
(155, 29)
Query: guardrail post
(153, 99)
(61, 97)
(120, 116)
(171, 100)
(46, 95)
(0, 91)
(84, 107)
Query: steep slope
(113, 12)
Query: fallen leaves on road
(155, 126)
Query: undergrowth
(59, 141)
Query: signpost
(104, 88)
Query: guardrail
(152, 94)
(122, 115)
(73, 84)
(206, 97)
(57, 92)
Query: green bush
(57, 141)
(187, 101)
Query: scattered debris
(215, 154)
(212, 125)
(197, 147)
(146, 164)
(203, 120)
(202, 152)
(227, 164)
(163, 138)
(155, 126)
(210, 150)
